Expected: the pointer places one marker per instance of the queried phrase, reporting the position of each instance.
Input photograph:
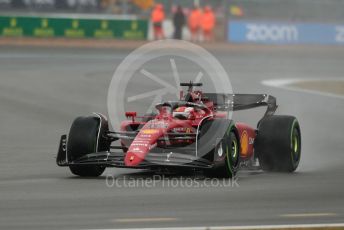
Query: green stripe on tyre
(227, 151)
(294, 141)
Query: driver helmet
(183, 112)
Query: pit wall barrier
(279, 33)
(76, 27)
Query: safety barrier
(285, 33)
(76, 27)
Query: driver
(184, 112)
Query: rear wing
(235, 102)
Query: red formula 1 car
(192, 133)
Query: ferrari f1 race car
(192, 133)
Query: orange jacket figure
(157, 18)
(194, 23)
(208, 23)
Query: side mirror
(131, 114)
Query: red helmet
(183, 112)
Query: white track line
(298, 226)
(137, 220)
(302, 215)
(286, 84)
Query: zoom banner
(72, 27)
(284, 33)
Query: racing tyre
(278, 143)
(87, 136)
(226, 156)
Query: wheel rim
(295, 145)
(234, 152)
(234, 146)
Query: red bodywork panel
(247, 136)
(154, 129)
(164, 124)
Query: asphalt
(43, 89)
(335, 87)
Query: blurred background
(276, 20)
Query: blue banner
(284, 33)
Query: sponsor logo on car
(150, 131)
(143, 137)
(157, 125)
(139, 144)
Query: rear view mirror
(131, 114)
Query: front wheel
(87, 136)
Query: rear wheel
(278, 143)
(87, 136)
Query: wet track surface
(43, 90)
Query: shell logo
(244, 143)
